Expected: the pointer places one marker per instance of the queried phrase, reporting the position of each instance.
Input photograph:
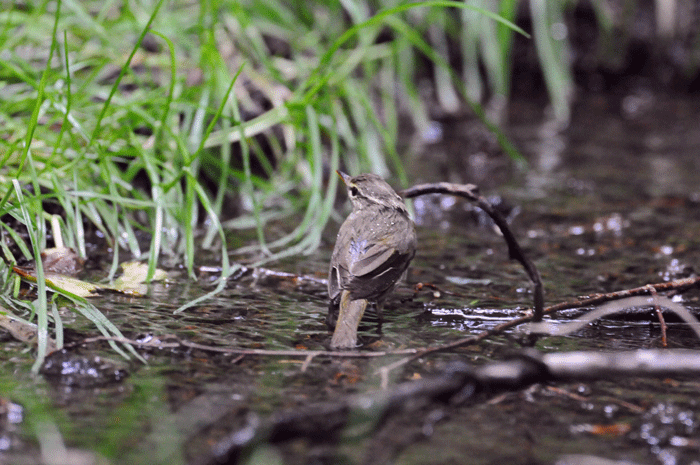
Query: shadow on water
(611, 203)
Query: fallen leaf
(133, 278)
(62, 260)
(21, 330)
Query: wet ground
(612, 202)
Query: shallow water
(610, 203)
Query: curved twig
(471, 193)
(595, 299)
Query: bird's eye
(354, 191)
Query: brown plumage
(374, 247)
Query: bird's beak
(346, 179)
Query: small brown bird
(374, 247)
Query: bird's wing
(377, 272)
(371, 260)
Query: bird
(373, 250)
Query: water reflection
(604, 206)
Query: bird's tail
(351, 311)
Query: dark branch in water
(679, 285)
(457, 384)
(471, 193)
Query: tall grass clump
(158, 126)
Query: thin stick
(660, 316)
(471, 193)
(595, 299)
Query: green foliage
(154, 116)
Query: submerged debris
(68, 369)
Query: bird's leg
(379, 306)
(332, 316)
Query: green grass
(121, 140)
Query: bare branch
(471, 193)
(458, 383)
